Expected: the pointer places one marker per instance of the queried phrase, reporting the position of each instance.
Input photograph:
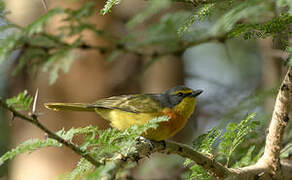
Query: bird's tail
(69, 106)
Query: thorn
(35, 102)
(45, 5)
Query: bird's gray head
(174, 96)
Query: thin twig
(33, 119)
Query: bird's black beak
(196, 93)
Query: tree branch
(146, 148)
(278, 123)
(270, 166)
(209, 164)
(34, 120)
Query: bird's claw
(141, 139)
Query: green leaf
(86, 10)
(60, 60)
(19, 38)
(197, 172)
(38, 25)
(286, 152)
(68, 135)
(103, 145)
(102, 172)
(114, 54)
(10, 43)
(235, 135)
(109, 4)
(163, 33)
(272, 27)
(29, 146)
(249, 158)
(205, 141)
(199, 15)
(285, 4)
(20, 102)
(152, 8)
(246, 9)
(245, 160)
(31, 58)
(44, 41)
(83, 168)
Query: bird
(177, 103)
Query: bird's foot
(144, 140)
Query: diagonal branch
(34, 120)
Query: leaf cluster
(221, 146)
(273, 27)
(39, 50)
(20, 102)
(173, 33)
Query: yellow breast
(122, 120)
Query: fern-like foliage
(18, 38)
(83, 167)
(162, 34)
(235, 134)
(51, 52)
(109, 143)
(195, 172)
(199, 15)
(109, 4)
(100, 144)
(204, 143)
(35, 144)
(249, 158)
(285, 4)
(276, 25)
(153, 7)
(247, 9)
(29, 146)
(20, 102)
(207, 144)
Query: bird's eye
(180, 94)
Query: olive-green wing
(130, 103)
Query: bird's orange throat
(178, 117)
